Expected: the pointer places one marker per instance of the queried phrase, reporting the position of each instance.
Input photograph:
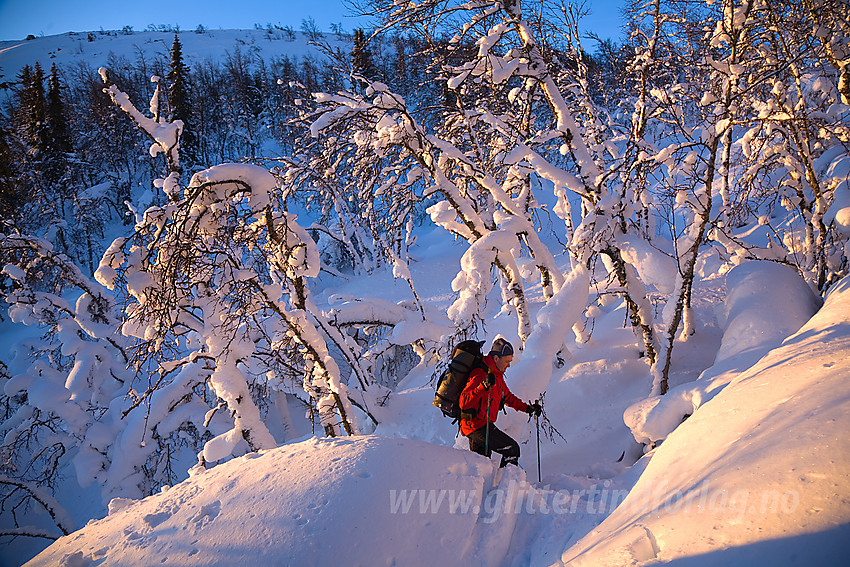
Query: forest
(165, 226)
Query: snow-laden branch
(58, 513)
(551, 327)
(473, 283)
(164, 135)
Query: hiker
(475, 421)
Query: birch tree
(508, 129)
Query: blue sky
(18, 18)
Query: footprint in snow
(207, 514)
(155, 519)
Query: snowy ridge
(753, 324)
(71, 49)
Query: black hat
(501, 347)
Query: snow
(69, 49)
(551, 330)
(766, 302)
(165, 134)
(315, 502)
(748, 458)
(839, 210)
(654, 266)
(758, 475)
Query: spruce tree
(37, 123)
(179, 102)
(59, 138)
(361, 57)
(28, 204)
(57, 133)
(11, 199)
(30, 113)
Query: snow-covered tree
(208, 271)
(74, 372)
(794, 130)
(753, 120)
(508, 129)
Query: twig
(549, 430)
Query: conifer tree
(31, 110)
(29, 137)
(37, 110)
(57, 138)
(10, 198)
(57, 120)
(361, 57)
(19, 114)
(180, 103)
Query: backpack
(465, 356)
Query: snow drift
(766, 303)
(353, 501)
(759, 475)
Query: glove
(489, 380)
(534, 409)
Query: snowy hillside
(95, 49)
(758, 475)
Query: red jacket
(474, 397)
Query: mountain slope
(94, 49)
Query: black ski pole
(487, 431)
(537, 422)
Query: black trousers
(499, 441)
